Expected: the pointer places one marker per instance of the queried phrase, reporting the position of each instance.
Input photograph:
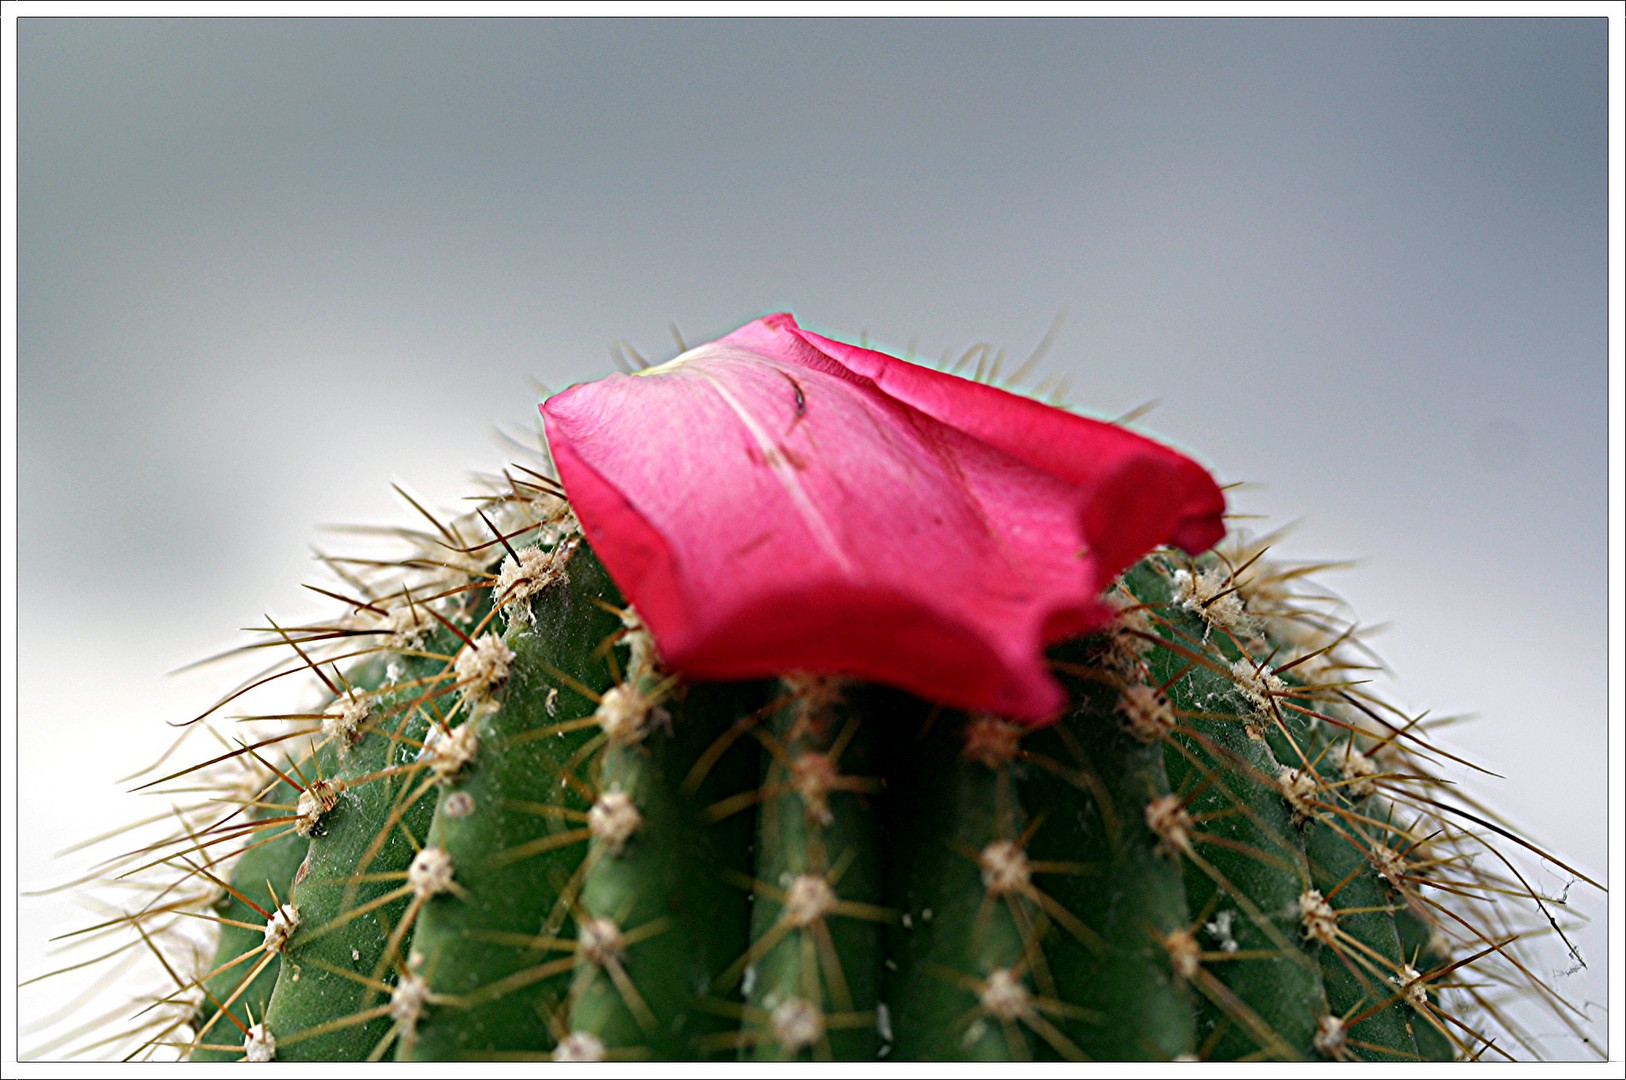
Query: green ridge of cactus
(511, 835)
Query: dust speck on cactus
(824, 706)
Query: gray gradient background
(264, 268)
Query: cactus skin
(818, 868)
(514, 834)
(630, 867)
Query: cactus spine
(510, 834)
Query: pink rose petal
(776, 501)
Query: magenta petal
(775, 501)
(1144, 493)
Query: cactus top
(778, 501)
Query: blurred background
(267, 267)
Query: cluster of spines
(218, 912)
(480, 844)
(1393, 903)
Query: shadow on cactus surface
(513, 831)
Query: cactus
(510, 835)
(510, 832)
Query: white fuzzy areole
(280, 927)
(430, 873)
(259, 1044)
(813, 776)
(408, 998)
(1210, 595)
(579, 1046)
(406, 624)
(797, 1023)
(1319, 918)
(1389, 863)
(1169, 821)
(623, 713)
(447, 754)
(1258, 684)
(1146, 712)
(1358, 770)
(1185, 955)
(814, 694)
(808, 900)
(1410, 981)
(343, 722)
(459, 804)
(519, 579)
(1330, 1036)
(613, 818)
(1129, 640)
(638, 640)
(1299, 787)
(600, 941)
(483, 666)
(1005, 868)
(1004, 996)
(992, 741)
(314, 802)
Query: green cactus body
(817, 922)
(518, 837)
(352, 892)
(262, 881)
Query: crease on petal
(785, 474)
(1085, 451)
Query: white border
(8, 389)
